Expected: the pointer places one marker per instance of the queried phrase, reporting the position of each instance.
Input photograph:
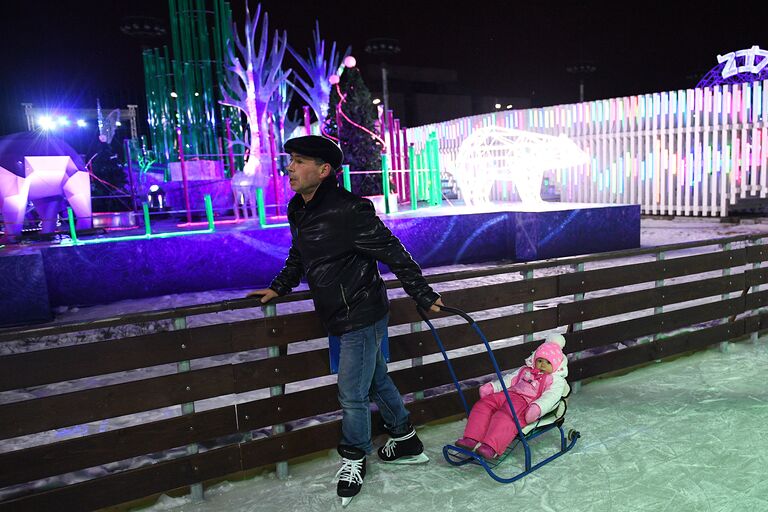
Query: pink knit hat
(551, 350)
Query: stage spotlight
(174, 95)
(81, 123)
(376, 101)
(156, 198)
(498, 105)
(118, 123)
(63, 121)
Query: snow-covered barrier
(121, 409)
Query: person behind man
(336, 242)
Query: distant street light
(142, 27)
(581, 69)
(382, 47)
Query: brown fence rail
(171, 409)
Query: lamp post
(581, 69)
(383, 47)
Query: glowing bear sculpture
(44, 170)
(495, 153)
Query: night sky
(70, 52)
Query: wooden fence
(120, 405)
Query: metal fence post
(659, 256)
(196, 490)
(281, 468)
(659, 283)
(724, 345)
(753, 336)
(577, 297)
(417, 361)
(528, 306)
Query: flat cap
(316, 147)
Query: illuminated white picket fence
(687, 152)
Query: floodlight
(46, 123)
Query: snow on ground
(680, 435)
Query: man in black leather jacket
(337, 240)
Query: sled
(551, 420)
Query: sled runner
(548, 421)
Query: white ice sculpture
(495, 153)
(252, 76)
(244, 191)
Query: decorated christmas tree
(361, 150)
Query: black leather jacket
(336, 241)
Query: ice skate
(351, 474)
(403, 449)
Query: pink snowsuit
(491, 421)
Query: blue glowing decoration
(317, 90)
(743, 66)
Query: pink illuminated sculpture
(45, 171)
(253, 74)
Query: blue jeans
(363, 376)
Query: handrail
(245, 303)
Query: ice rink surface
(682, 435)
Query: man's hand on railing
(266, 294)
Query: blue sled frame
(458, 456)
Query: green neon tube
(260, 207)
(209, 213)
(385, 180)
(347, 181)
(147, 227)
(412, 176)
(71, 218)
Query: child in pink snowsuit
(534, 388)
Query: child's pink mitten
(486, 389)
(533, 413)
